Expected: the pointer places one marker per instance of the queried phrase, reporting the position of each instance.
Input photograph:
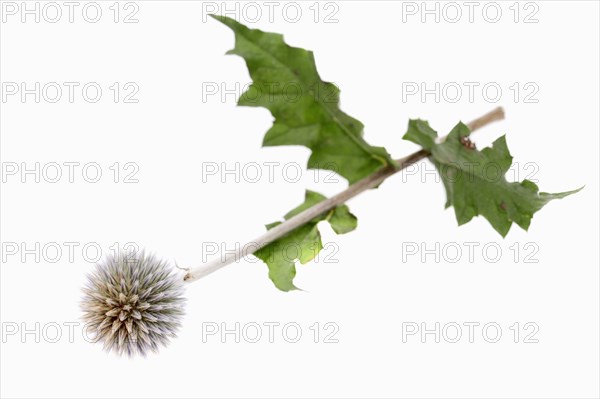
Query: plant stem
(307, 215)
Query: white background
(171, 53)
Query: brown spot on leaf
(467, 143)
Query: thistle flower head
(133, 303)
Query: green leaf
(475, 181)
(303, 243)
(305, 108)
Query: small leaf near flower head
(303, 243)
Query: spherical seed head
(133, 303)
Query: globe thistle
(133, 303)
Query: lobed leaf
(302, 244)
(305, 108)
(475, 181)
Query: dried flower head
(133, 303)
